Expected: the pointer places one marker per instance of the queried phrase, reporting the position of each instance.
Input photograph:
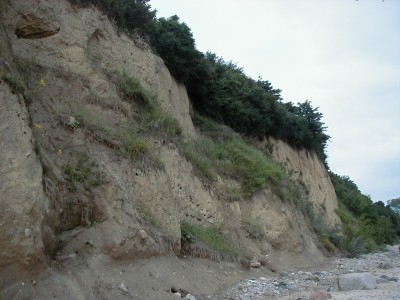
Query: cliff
(67, 184)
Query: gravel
(302, 284)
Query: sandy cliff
(60, 58)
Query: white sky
(342, 55)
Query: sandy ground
(98, 277)
(151, 278)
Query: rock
(381, 280)
(123, 287)
(255, 263)
(392, 249)
(28, 232)
(320, 295)
(356, 281)
(189, 297)
(317, 273)
(143, 235)
(395, 279)
(174, 290)
(178, 295)
(183, 292)
(73, 123)
(62, 258)
(385, 265)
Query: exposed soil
(85, 276)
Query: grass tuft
(211, 236)
(84, 171)
(135, 146)
(131, 90)
(221, 151)
(15, 84)
(255, 231)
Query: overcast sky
(342, 55)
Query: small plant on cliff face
(15, 84)
(330, 237)
(151, 120)
(254, 230)
(135, 146)
(212, 237)
(83, 172)
(148, 216)
(328, 245)
(157, 123)
(201, 162)
(30, 95)
(221, 151)
(131, 90)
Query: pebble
(321, 282)
(28, 232)
(123, 287)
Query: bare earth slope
(76, 208)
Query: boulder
(356, 281)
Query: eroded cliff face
(21, 190)
(60, 58)
(305, 168)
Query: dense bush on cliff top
(222, 91)
(219, 89)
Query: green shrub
(84, 172)
(357, 246)
(134, 136)
(200, 162)
(131, 89)
(221, 151)
(159, 124)
(211, 236)
(169, 125)
(254, 230)
(240, 160)
(231, 193)
(127, 14)
(135, 146)
(326, 242)
(148, 216)
(212, 129)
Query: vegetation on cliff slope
(221, 151)
(220, 90)
(366, 224)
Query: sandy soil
(98, 277)
(89, 275)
